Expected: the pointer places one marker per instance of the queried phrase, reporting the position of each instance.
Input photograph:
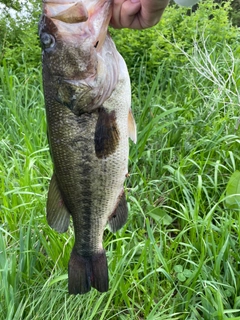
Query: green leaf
(159, 214)
(178, 268)
(233, 191)
(187, 273)
(57, 279)
(181, 277)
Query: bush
(178, 31)
(25, 52)
(235, 14)
(144, 51)
(19, 43)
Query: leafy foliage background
(178, 255)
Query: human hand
(137, 14)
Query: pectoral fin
(132, 128)
(119, 217)
(57, 214)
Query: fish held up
(89, 121)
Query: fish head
(72, 34)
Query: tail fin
(84, 272)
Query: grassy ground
(178, 255)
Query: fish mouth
(78, 19)
(66, 11)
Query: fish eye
(48, 41)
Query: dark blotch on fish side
(106, 134)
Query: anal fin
(119, 216)
(58, 216)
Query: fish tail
(86, 272)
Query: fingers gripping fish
(89, 120)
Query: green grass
(178, 255)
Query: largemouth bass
(89, 120)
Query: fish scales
(89, 120)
